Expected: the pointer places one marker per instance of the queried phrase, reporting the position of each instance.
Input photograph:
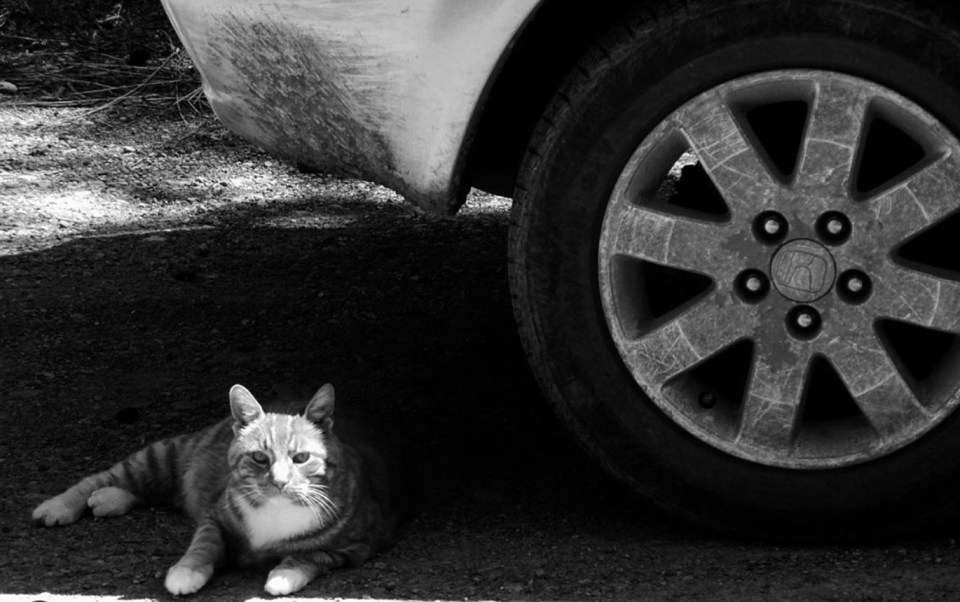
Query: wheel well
(547, 48)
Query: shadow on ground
(148, 265)
(111, 341)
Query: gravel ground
(148, 262)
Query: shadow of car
(732, 248)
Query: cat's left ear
(320, 408)
(244, 406)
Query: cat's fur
(261, 487)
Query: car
(734, 253)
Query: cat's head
(275, 454)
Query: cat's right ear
(244, 406)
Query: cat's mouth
(277, 493)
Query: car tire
(733, 263)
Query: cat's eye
(300, 458)
(260, 457)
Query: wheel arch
(546, 49)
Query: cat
(261, 487)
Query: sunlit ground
(84, 598)
(60, 180)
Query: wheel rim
(776, 269)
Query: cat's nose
(280, 475)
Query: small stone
(8, 88)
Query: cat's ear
(244, 406)
(320, 408)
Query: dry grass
(95, 56)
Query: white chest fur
(277, 520)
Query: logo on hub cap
(803, 270)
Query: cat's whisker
(318, 500)
(248, 493)
(313, 502)
(327, 501)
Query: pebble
(7, 88)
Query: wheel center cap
(803, 270)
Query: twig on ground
(68, 78)
(141, 86)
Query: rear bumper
(373, 89)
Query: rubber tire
(619, 92)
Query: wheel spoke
(920, 201)
(712, 325)
(875, 383)
(667, 240)
(727, 155)
(917, 298)
(772, 403)
(827, 155)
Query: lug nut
(804, 322)
(752, 285)
(854, 286)
(834, 228)
(770, 227)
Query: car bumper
(374, 89)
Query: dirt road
(147, 264)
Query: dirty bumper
(373, 89)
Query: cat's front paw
(58, 511)
(183, 580)
(284, 581)
(111, 501)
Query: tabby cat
(261, 487)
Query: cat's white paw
(58, 511)
(283, 581)
(183, 580)
(111, 501)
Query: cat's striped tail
(149, 475)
